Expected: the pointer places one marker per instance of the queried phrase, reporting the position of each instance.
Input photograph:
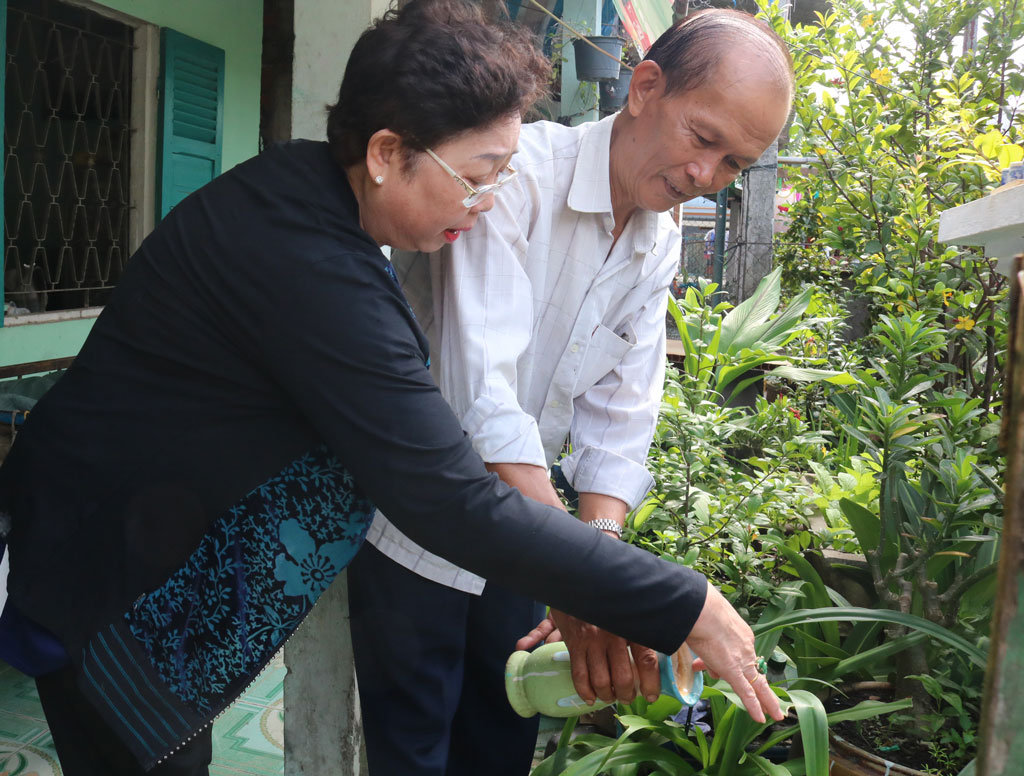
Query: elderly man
(547, 323)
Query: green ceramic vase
(541, 682)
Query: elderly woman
(181, 498)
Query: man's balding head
(713, 93)
(691, 52)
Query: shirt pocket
(605, 351)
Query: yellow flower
(867, 21)
(946, 296)
(964, 322)
(881, 76)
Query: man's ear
(383, 154)
(646, 85)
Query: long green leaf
(804, 375)
(863, 521)
(745, 323)
(730, 742)
(858, 614)
(744, 730)
(702, 745)
(826, 652)
(767, 767)
(676, 313)
(819, 597)
(863, 710)
(633, 752)
(847, 406)
(868, 709)
(727, 373)
(861, 636)
(724, 724)
(782, 325)
(868, 530)
(863, 660)
(810, 713)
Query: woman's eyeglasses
(475, 195)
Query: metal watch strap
(606, 524)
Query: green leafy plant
(928, 528)
(904, 125)
(738, 746)
(724, 344)
(725, 477)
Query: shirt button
(575, 347)
(555, 404)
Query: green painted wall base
(43, 341)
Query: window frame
(143, 146)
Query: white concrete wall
(325, 32)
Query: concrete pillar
(754, 233)
(323, 729)
(325, 32)
(579, 99)
(753, 259)
(322, 725)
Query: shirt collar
(591, 191)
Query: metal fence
(695, 261)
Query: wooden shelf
(995, 222)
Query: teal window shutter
(191, 117)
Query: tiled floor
(247, 739)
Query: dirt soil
(880, 737)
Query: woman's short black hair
(431, 71)
(690, 52)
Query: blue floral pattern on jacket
(255, 575)
(305, 568)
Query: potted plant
(817, 655)
(614, 93)
(597, 57)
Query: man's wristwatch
(607, 524)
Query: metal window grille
(66, 134)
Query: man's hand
(545, 631)
(601, 667)
(724, 645)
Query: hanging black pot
(614, 93)
(591, 64)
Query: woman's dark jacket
(206, 467)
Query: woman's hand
(724, 646)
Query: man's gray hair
(690, 52)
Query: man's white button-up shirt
(542, 327)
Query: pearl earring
(379, 180)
